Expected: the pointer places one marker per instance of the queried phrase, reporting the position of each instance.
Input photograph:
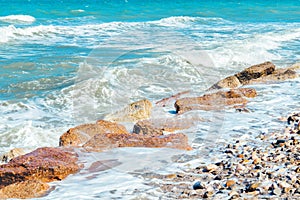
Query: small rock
(171, 176)
(276, 191)
(198, 186)
(230, 183)
(252, 187)
(211, 167)
(240, 167)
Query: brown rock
(25, 189)
(82, 133)
(101, 142)
(214, 101)
(255, 72)
(29, 171)
(228, 82)
(277, 75)
(132, 113)
(245, 76)
(156, 127)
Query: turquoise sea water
(63, 63)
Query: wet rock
(277, 75)
(215, 101)
(198, 186)
(276, 191)
(159, 126)
(211, 168)
(24, 190)
(228, 82)
(6, 157)
(229, 183)
(82, 133)
(295, 67)
(255, 71)
(42, 165)
(132, 113)
(252, 187)
(101, 142)
(246, 76)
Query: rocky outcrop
(132, 113)
(101, 142)
(215, 101)
(6, 157)
(24, 176)
(81, 134)
(260, 73)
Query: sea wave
(181, 21)
(18, 19)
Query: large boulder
(81, 134)
(102, 142)
(215, 101)
(132, 113)
(35, 168)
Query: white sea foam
(18, 19)
(185, 21)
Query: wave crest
(17, 19)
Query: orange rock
(230, 183)
(101, 142)
(24, 190)
(82, 133)
(214, 101)
(31, 170)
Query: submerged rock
(82, 133)
(101, 142)
(215, 101)
(159, 126)
(133, 112)
(28, 173)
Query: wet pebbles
(268, 171)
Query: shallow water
(72, 62)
